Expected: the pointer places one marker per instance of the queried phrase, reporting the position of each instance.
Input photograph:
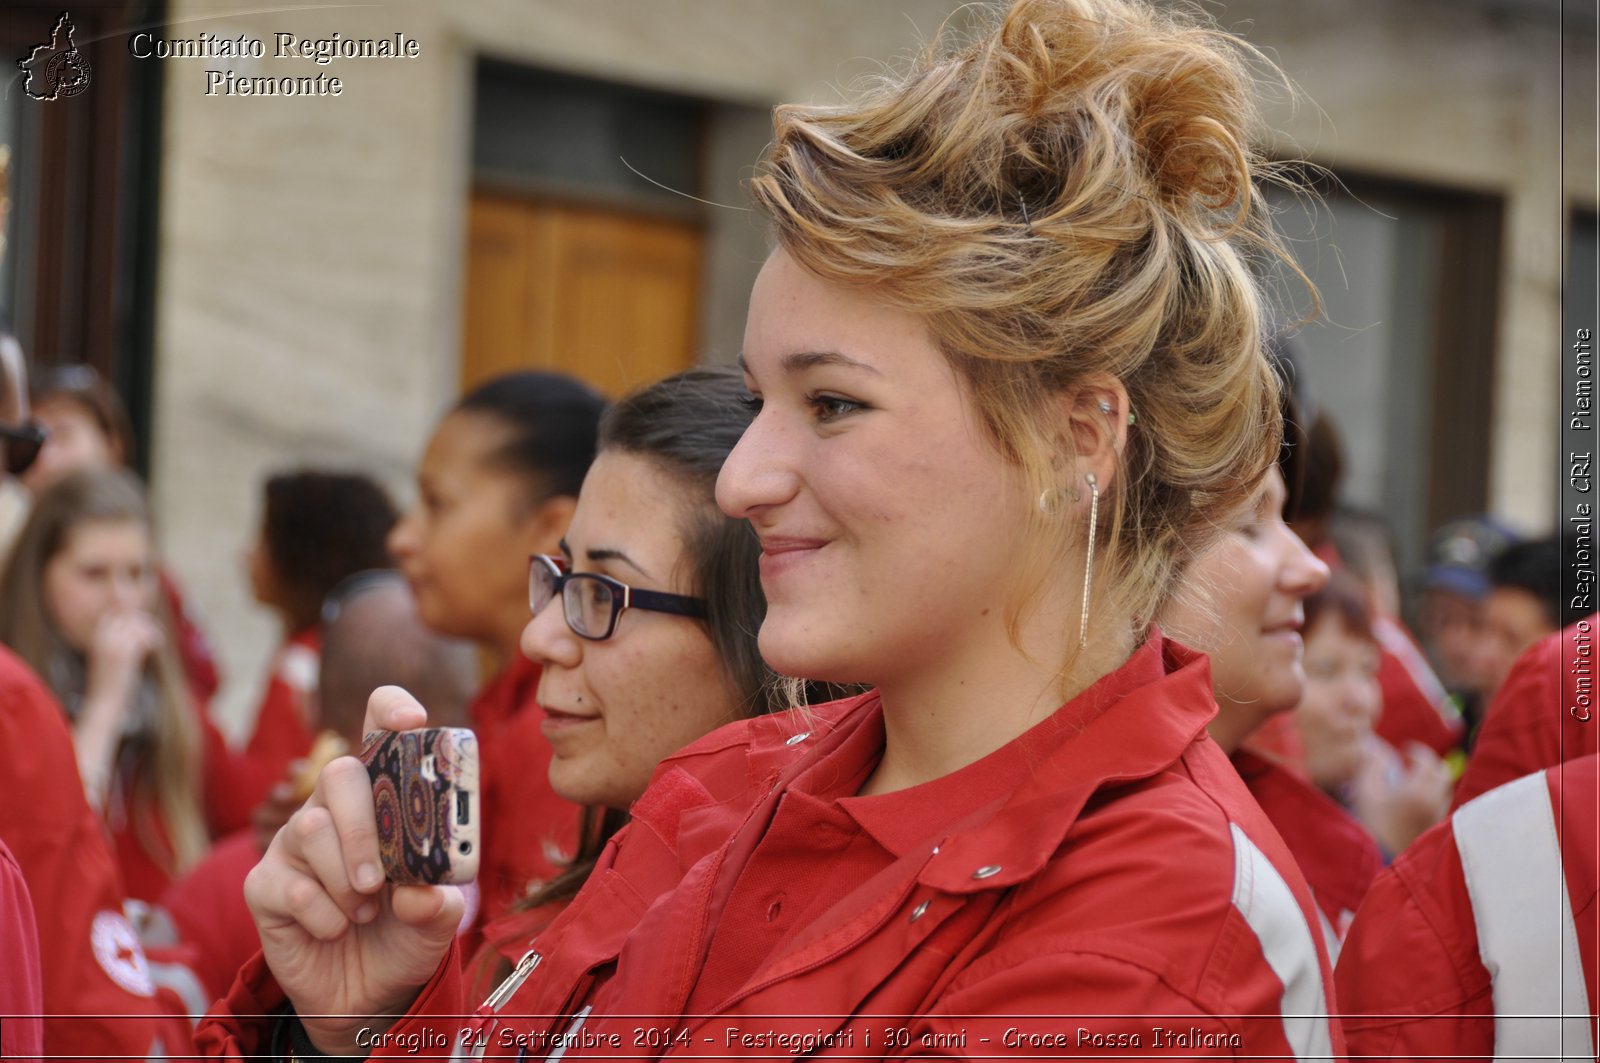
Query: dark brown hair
(317, 528)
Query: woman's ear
(547, 522)
(1096, 412)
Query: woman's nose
(402, 540)
(546, 638)
(758, 472)
(1303, 573)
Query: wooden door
(608, 296)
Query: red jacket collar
(1131, 724)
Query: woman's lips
(557, 721)
(780, 554)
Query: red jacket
(1104, 884)
(1490, 914)
(527, 831)
(97, 982)
(284, 728)
(212, 920)
(1416, 706)
(1333, 850)
(1543, 714)
(21, 992)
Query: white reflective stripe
(1511, 857)
(1330, 935)
(182, 981)
(1269, 907)
(571, 1035)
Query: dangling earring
(1088, 563)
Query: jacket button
(797, 739)
(987, 871)
(919, 911)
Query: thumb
(435, 911)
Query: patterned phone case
(425, 794)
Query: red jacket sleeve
(96, 978)
(1408, 979)
(241, 1026)
(21, 994)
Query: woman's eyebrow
(800, 361)
(598, 554)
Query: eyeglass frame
(623, 597)
(31, 438)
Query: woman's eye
(751, 403)
(832, 407)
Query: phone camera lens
(465, 848)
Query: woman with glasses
(645, 621)
(1006, 361)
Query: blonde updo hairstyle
(1072, 194)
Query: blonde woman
(1006, 362)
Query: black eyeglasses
(22, 443)
(592, 602)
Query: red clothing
(207, 908)
(96, 978)
(527, 831)
(285, 720)
(1416, 706)
(1106, 874)
(1487, 916)
(21, 989)
(1543, 714)
(194, 648)
(1334, 851)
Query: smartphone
(425, 794)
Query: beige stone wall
(310, 259)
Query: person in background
(89, 427)
(371, 637)
(317, 528)
(1450, 613)
(22, 438)
(1396, 797)
(1240, 604)
(497, 484)
(1543, 714)
(21, 982)
(1524, 604)
(1482, 941)
(982, 269)
(1416, 705)
(99, 997)
(78, 603)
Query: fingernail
(368, 876)
(366, 913)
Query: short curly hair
(319, 527)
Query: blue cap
(1461, 551)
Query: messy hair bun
(1073, 193)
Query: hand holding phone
(349, 949)
(425, 797)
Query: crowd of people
(986, 665)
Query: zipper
(501, 995)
